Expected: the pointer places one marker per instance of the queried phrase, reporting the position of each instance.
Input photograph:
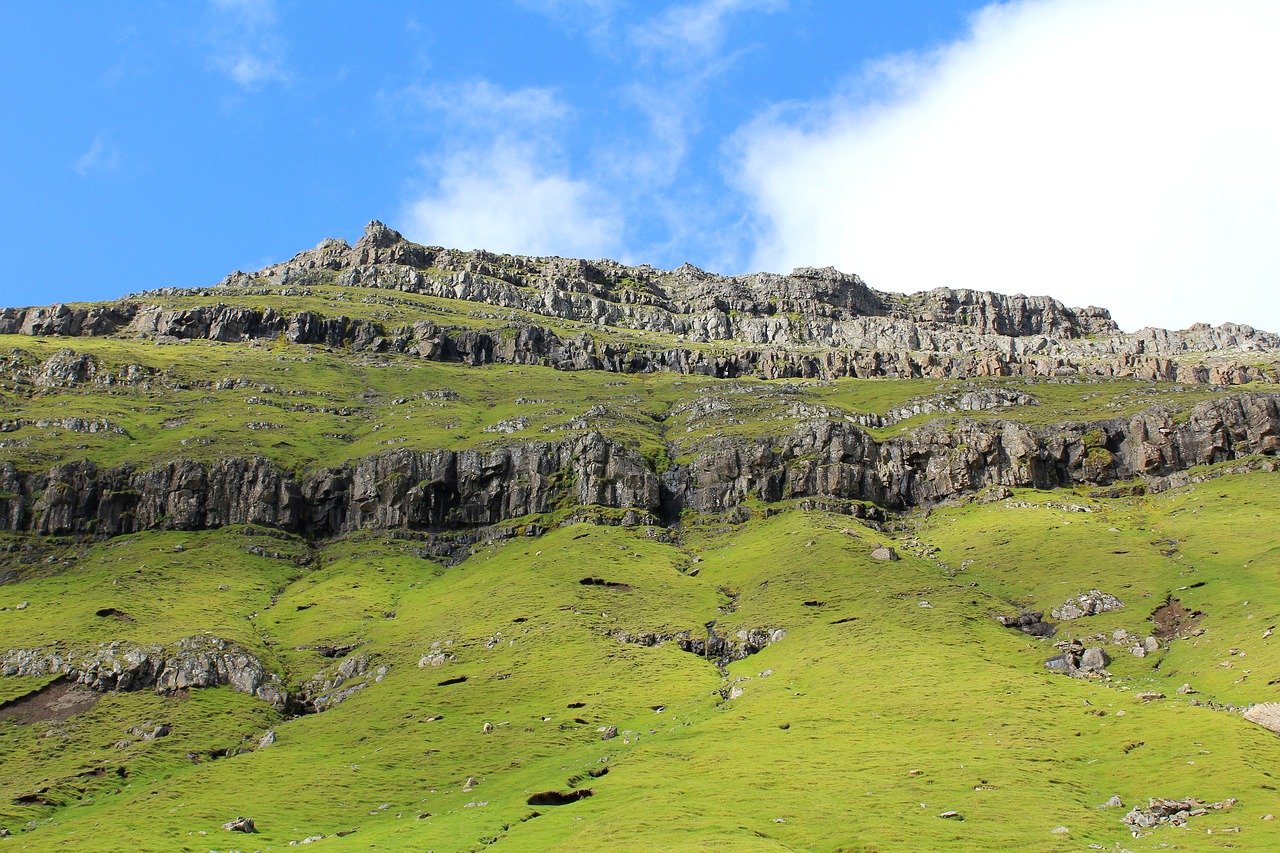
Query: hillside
(405, 548)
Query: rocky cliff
(443, 489)
(191, 662)
(810, 324)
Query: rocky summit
(401, 547)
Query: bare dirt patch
(55, 702)
(1172, 620)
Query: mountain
(402, 547)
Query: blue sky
(1110, 152)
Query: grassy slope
(306, 406)
(899, 687)
(817, 755)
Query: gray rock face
(943, 460)
(1094, 659)
(65, 321)
(939, 334)
(865, 347)
(193, 662)
(78, 497)
(449, 489)
(328, 689)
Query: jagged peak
(379, 236)
(827, 273)
(819, 296)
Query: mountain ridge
(812, 324)
(397, 547)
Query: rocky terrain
(810, 324)
(403, 547)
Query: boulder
(1065, 663)
(1028, 622)
(1094, 659)
(1265, 714)
(884, 552)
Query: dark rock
(559, 798)
(328, 689)
(1028, 622)
(1079, 662)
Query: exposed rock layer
(192, 662)
(810, 324)
(440, 489)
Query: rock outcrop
(757, 321)
(328, 689)
(1172, 812)
(439, 489)
(1088, 603)
(1079, 661)
(193, 662)
(1265, 714)
(717, 648)
(1029, 622)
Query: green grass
(305, 407)
(816, 754)
(855, 731)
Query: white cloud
(696, 30)
(480, 105)
(245, 42)
(100, 157)
(505, 200)
(501, 182)
(1111, 152)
